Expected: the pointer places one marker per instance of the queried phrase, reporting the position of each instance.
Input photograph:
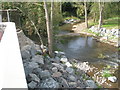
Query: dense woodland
(44, 18)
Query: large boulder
(33, 65)
(112, 79)
(59, 54)
(70, 70)
(45, 74)
(28, 70)
(72, 84)
(38, 59)
(72, 78)
(33, 77)
(23, 39)
(54, 69)
(91, 84)
(58, 65)
(64, 82)
(49, 83)
(68, 64)
(25, 54)
(32, 85)
(57, 74)
(64, 60)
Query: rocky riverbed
(58, 72)
(42, 71)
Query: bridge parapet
(11, 67)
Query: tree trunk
(48, 29)
(100, 16)
(8, 16)
(0, 16)
(51, 28)
(1, 12)
(60, 7)
(86, 20)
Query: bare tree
(49, 32)
(1, 11)
(86, 18)
(101, 6)
(61, 6)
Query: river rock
(56, 52)
(37, 71)
(112, 79)
(33, 51)
(45, 74)
(26, 47)
(72, 84)
(68, 64)
(64, 82)
(54, 69)
(57, 59)
(32, 84)
(64, 60)
(70, 70)
(38, 59)
(57, 74)
(49, 83)
(25, 54)
(58, 65)
(91, 84)
(28, 70)
(37, 47)
(72, 78)
(33, 65)
(59, 54)
(62, 53)
(34, 77)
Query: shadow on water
(84, 48)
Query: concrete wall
(11, 67)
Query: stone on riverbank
(112, 79)
(38, 59)
(32, 84)
(34, 77)
(91, 84)
(49, 83)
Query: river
(87, 49)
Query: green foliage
(72, 17)
(111, 23)
(106, 74)
(101, 55)
(119, 49)
(108, 67)
(35, 11)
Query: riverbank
(62, 72)
(109, 36)
(58, 72)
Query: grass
(67, 18)
(106, 74)
(108, 23)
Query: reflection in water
(84, 48)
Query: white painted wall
(11, 67)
